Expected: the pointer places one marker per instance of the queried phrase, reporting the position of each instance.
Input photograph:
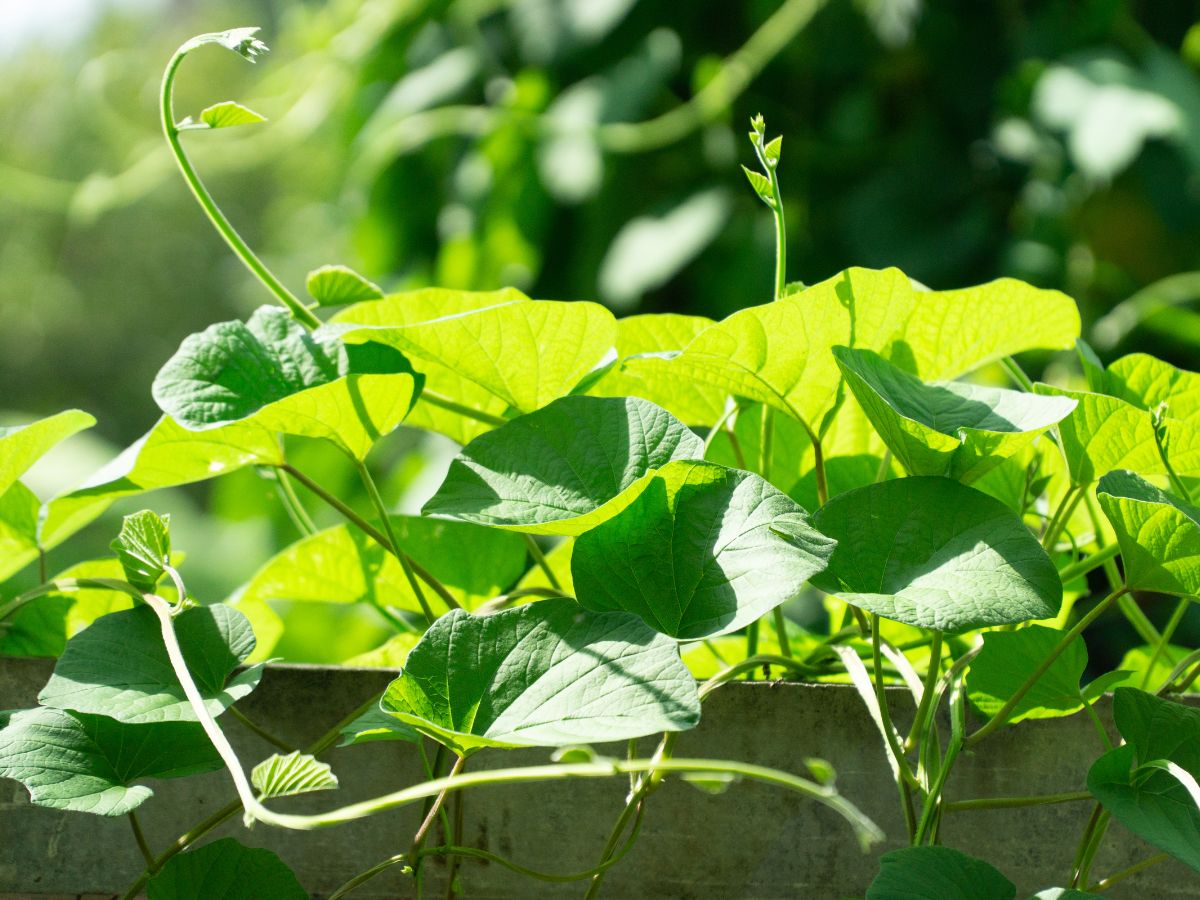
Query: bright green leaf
(272, 370)
(703, 550)
(761, 185)
(118, 665)
(946, 428)
(225, 870)
(1159, 535)
(291, 774)
(1007, 659)
(91, 763)
(23, 445)
(376, 725)
(229, 114)
(934, 553)
(19, 512)
(524, 352)
(1148, 801)
(144, 548)
(543, 675)
(1145, 381)
(691, 403)
(1102, 434)
(166, 456)
(1136, 661)
(339, 285)
(937, 873)
(565, 468)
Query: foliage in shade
(931, 552)
(227, 870)
(937, 873)
(702, 551)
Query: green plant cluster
(634, 503)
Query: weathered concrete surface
(751, 842)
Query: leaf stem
(260, 731)
(1164, 639)
(431, 814)
(932, 672)
(66, 586)
(140, 837)
(392, 543)
(371, 531)
(1062, 515)
(435, 399)
(731, 407)
(1017, 374)
(540, 559)
(933, 800)
(785, 643)
(1002, 714)
(1081, 567)
(363, 877)
(1015, 802)
(292, 505)
(171, 132)
(1105, 883)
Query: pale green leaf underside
(946, 428)
(565, 468)
(229, 114)
(937, 873)
(339, 285)
(23, 445)
(693, 403)
(270, 369)
(226, 870)
(934, 553)
(91, 763)
(779, 353)
(543, 675)
(703, 550)
(1159, 535)
(524, 352)
(166, 456)
(143, 548)
(118, 666)
(291, 774)
(1151, 803)
(1005, 662)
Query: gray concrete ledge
(752, 841)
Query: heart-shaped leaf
(272, 370)
(658, 333)
(937, 873)
(166, 456)
(934, 553)
(227, 870)
(23, 445)
(563, 469)
(1147, 800)
(91, 763)
(946, 428)
(291, 774)
(524, 352)
(339, 285)
(779, 353)
(703, 550)
(118, 666)
(548, 674)
(228, 114)
(1005, 662)
(1147, 382)
(1159, 535)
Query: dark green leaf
(226, 870)
(1006, 661)
(937, 873)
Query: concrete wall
(753, 841)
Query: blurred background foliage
(573, 149)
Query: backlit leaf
(23, 445)
(1159, 535)
(144, 548)
(229, 114)
(1006, 661)
(1104, 433)
(291, 774)
(339, 285)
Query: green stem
(540, 558)
(785, 643)
(889, 731)
(1015, 802)
(393, 544)
(140, 837)
(1105, 883)
(371, 531)
(259, 730)
(66, 586)
(1091, 849)
(291, 503)
(1088, 563)
(431, 814)
(363, 877)
(766, 442)
(1062, 515)
(731, 407)
(1005, 711)
(932, 672)
(454, 837)
(1164, 639)
(751, 645)
(1168, 686)
(1017, 374)
(166, 107)
(931, 810)
(435, 399)
(1127, 605)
